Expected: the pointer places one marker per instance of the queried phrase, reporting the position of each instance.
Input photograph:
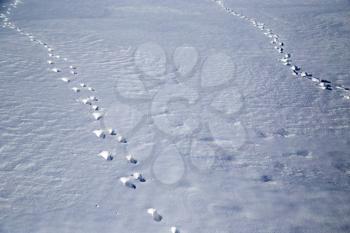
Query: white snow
(86, 101)
(106, 155)
(174, 230)
(75, 89)
(94, 107)
(228, 139)
(93, 98)
(131, 159)
(110, 130)
(66, 80)
(138, 176)
(121, 139)
(155, 215)
(99, 133)
(127, 181)
(97, 115)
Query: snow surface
(201, 94)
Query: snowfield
(210, 116)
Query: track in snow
(286, 59)
(68, 74)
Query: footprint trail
(286, 60)
(76, 84)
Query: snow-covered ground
(174, 116)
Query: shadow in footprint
(265, 178)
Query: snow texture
(213, 116)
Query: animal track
(99, 133)
(286, 60)
(66, 80)
(174, 230)
(155, 215)
(75, 89)
(106, 155)
(127, 181)
(97, 115)
(131, 159)
(299, 153)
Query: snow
(226, 138)
(66, 80)
(94, 107)
(174, 230)
(97, 115)
(106, 155)
(76, 89)
(131, 159)
(155, 215)
(99, 133)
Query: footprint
(66, 80)
(97, 115)
(325, 85)
(138, 176)
(111, 131)
(86, 101)
(155, 215)
(50, 62)
(285, 61)
(300, 153)
(99, 133)
(315, 79)
(106, 155)
(93, 98)
(121, 139)
(127, 181)
(131, 159)
(72, 67)
(94, 107)
(265, 178)
(56, 70)
(305, 74)
(75, 89)
(282, 132)
(174, 230)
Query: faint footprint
(155, 215)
